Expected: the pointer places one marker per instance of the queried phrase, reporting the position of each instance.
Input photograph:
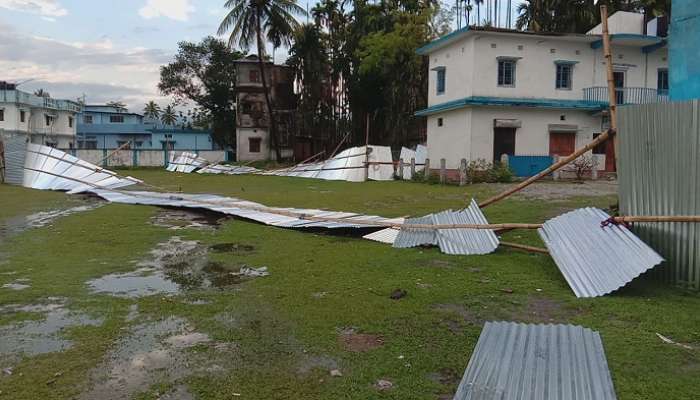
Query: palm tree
(168, 117)
(118, 105)
(41, 93)
(251, 20)
(152, 110)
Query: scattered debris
(507, 290)
(175, 219)
(398, 294)
(669, 341)
(336, 373)
(252, 272)
(383, 384)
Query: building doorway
(619, 81)
(562, 143)
(503, 143)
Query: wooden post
(2, 161)
(426, 170)
(443, 170)
(400, 171)
(463, 172)
(367, 149)
(413, 167)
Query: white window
(506, 72)
(563, 77)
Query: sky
(105, 50)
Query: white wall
(622, 22)
(451, 141)
(12, 120)
(468, 133)
(457, 60)
(242, 147)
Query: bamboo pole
(113, 152)
(658, 218)
(612, 131)
(525, 247)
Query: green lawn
(277, 337)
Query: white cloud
(96, 68)
(178, 10)
(46, 8)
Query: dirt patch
(176, 219)
(155, 352)
(235, 248)
(563, 190)
(359, 342)
(30, 338)
(542, 310)
(446, 377)
(457, 316)
(309, 363)
(173, 267)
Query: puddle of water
(153, 352)
(15, 225)
(236, 248)
(30, 338)
(173, 267)
(15, 286)
(177, 219)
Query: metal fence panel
(658, 170)
(15, 154)
(527, 166)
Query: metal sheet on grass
(535, 362)
(595, 260)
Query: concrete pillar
(400, 171)
(463, 172)
(556, 174)
(426, 169)
(413, 167)
(443, 170)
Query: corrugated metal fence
(658, 171)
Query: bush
(480, 170)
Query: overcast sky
(104, 49)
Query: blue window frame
(440, 80)
(506, 73)
(662, 81)
(564, 76)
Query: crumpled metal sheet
(185, 162)
(451, 241)
(46, 168)
(227, 169)
(595, 260)
(420, 154)
(348, 165)
(534, 362)
(275, 216)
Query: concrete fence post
(463, 172)
(443, 170)
(413, 167)
(594, 170)
(400, 171)
(556, 174)
(426, 169)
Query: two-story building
(108, 127)
(252, 119)
(499, 91)
(43, 120)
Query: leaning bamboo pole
(611, 132)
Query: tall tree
(205, 73)
(152, 110)
(120, 106)
(169, 116)
(41, 93)
(249, 21)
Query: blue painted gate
(525, 166)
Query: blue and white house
(107, 127)
(498, 91)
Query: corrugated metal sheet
(537, 362)
(227, 169)
(348, 165)
(451, 241)
(595, 260)
(185, 162)
(15, 154)
(387, 235)
(47, 168)
(659, 174)
(419, 155)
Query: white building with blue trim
(498, 91)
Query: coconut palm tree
(168, 117)
(152, 110)
(254, 21)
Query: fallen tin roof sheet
(451, 241)
(185, 162)
(276, 216)
(533, 362)
(419, 155)
(595, 260)
(387, 235)
(348, 165)
(227, 169)
(46, 168)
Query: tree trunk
(261, 63)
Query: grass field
(325, 305)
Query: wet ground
(177, 219)
(175, 266)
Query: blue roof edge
(512, 102)
(427, 48)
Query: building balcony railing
(626, 95)
(17, 96)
